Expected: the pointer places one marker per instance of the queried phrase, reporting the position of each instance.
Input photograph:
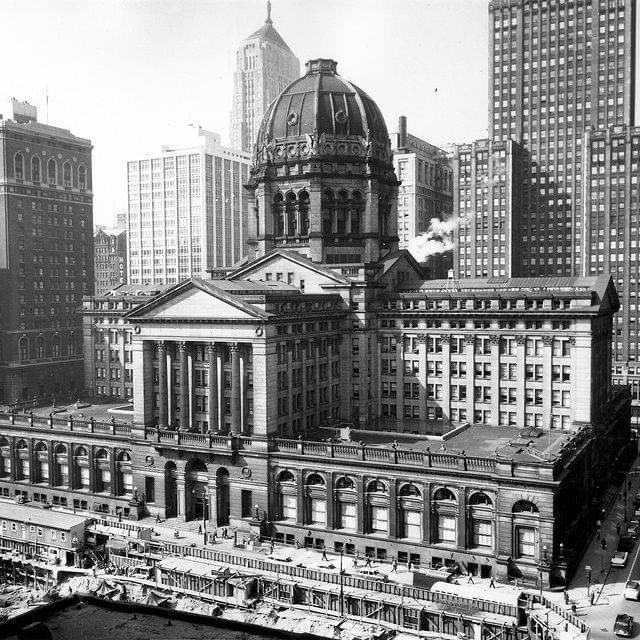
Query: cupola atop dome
(324, 115)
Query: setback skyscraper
(264, 67)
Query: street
(608, 585)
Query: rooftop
(39, 516)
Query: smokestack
(402, 132)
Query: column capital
(182, 345)
(161, 345)
(572, 341)
(470, 340)
(495, 339)
(422, 338)
(547, 340)
(445, 339)
(234, 346)
(521, 340)
(212, 347)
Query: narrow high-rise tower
(264, 67)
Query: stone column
(446, 377)
(92, 468)
(184, 385)
(265, 392)
(71, 464)
(361, 508)
(235, 388)
(213, 397)
(114, 475)
(245, 388)
(470, 345)
(14, 458)
(426, 513)
(163, 400)
(521, 381)
(422, 355)
(393, 511)
(32, 457)
(548, 383)
(50, 460)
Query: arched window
(525, 516)
(55, 346)
(410, 512)
(444, 495)
(23, 348)
(378, 503)
(292, 217)
(102, 471)
(61, 466)
(328, 205)
(446, 516)
(346, 504)
(303, 208)
(42, 462)
(481, 520)
(5, 458)
(356, 212)
(66, 174)
(288, 496)
(40, 353)
(82, 177)
(52, 172)
(81, 468)
(22, 462)
(316, 495)
(35, 169)
(524, 506)
(18, 166)
(341, 213)
(125, 475)
(278, 215)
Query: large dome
(324, 115)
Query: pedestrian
(367, 560)
(470, 579)
(324, 555)
(492, 584)
(354, 560)
(215, 536)
(566, 597)
(200, 529)
(394, 566)
(225, 534)
(618, 528)
(515, 583)
(157, 518)
(272, 545)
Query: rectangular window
(446, 529)
(379, 519)
(412, 525)
(318, 511)
(481, 533)
(525, 542)
(348, 515)
(289, 507)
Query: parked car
(619, 559)
(625, 542)
(633, 529)
(632, 590)
(623, 625)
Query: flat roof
(37, 515)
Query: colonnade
(214, 366)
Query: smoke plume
(438, 239)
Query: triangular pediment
(191, 301)
(290, 268)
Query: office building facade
(264, 67)
(46, 256)
(110, 259)
(187, 210)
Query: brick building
(110, 259)
(46, 256)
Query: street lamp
(588, 571)
(541, 566)
(603, 544)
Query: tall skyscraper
(187, 210)
(556, 70)
(110, 259)
(46, 256)
(264, 67)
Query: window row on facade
(52, 177)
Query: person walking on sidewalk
(394, 566)
(566, 597)
(324, 555)
(492, 584)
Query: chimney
(402, 132)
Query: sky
(128, 73)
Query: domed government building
(326, 393)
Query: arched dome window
(292, 219)
(345, 483)
(480, 499)
(124, 481)
(52, 172)
(341, 213)
(82, 177)
(356, 212)
(410, 491)
(40, 353)
(102, 471)
(278, 215)
(18, 166)
(315, 479)
(36, 173)
(23, 348)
